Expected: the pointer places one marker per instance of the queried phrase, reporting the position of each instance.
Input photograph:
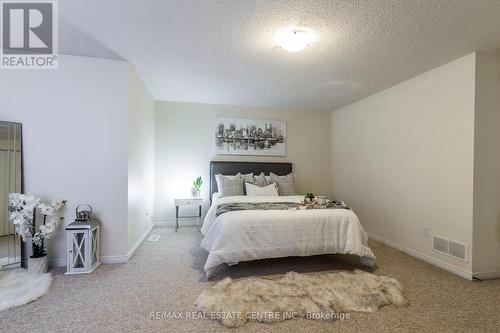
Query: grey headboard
(232, 168)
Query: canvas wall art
(238, 136)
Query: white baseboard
(139, 241)
(110, 259)
(57, 262)
(486, 275)
(103, 259)
(424, 257)
(113, 259)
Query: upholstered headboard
(232, 168)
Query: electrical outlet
(427, 231)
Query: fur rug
(20, 287)
(295, 295)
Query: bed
(244, 235)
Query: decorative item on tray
(309, 197)
(320, 202)
(321, 199)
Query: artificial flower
(46, 209)
(22, 209)
(58, 204)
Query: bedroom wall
(486, 250)
(185, 139)
(141, 157)
(75, 141)
(403, 158)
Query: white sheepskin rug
(20, 287)
(321, 296)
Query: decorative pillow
(248, 177)
(229, 185)
(259, 180)
(215, 196)
(245, 177)
(285, 184)
(256, 190)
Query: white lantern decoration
(82, 239)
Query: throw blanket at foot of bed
(322, 296)
(236, 206)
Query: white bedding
(258, 234)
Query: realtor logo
(29, 34)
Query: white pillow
(215, 196)
(255, 190)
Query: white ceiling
(222, 51)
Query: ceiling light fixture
(294, 39)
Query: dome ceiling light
(294, 39)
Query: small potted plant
(309, 197)
(23, 209)
(195, 191)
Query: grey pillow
(229, 185)
(259, 180)
(285, 184)
(248, 177)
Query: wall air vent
(449, 247)
(457, 250)
(440, 244)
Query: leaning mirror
(10, 181)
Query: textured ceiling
(222, 51)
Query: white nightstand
(191, 202)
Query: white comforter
(257, 234)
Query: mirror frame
(22, 249)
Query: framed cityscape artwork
(238, 136)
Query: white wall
(75, 140)
(185, 135)
(141, 156)
(403, 158)
(486, 251)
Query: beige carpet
(167, 277)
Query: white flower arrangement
(23, 209)
(45, 209)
